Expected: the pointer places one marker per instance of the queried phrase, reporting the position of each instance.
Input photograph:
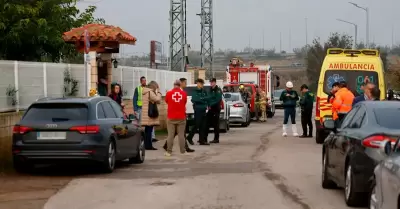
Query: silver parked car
(239, 110)
(277, 95)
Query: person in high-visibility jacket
(137, 99)
(342, 103)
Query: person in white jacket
(289, 97)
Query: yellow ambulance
(352, 66)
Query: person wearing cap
(334, 89)
(342, 103)
(215, 98)
(183, 82)
(200, 105)
(289, 98)
(306, 104)
(176, 117)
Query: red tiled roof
(99, 32)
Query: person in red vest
(176, 117)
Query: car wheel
(352, 198)
(141, 153)
(225, 129)
(245, 124)
(228, 126)
(325, 181)
(22, 167)
(109, 161)
(373, 198)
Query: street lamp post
(355, 31)
(367, 26)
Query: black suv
(76, 129)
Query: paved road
(252, 168)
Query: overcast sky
(238, 23)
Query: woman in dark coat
(116, 93)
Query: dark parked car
(76, 129)
(385, 190)
(351, 151)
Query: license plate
(51, 135)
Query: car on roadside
(385, 192)
(351, 152)
(239, 110)
(277, 96)
(58, 130)
(224, 114)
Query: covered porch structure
(104, 40)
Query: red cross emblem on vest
(177, 96)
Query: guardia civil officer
(200, 105)
(306, 104)
(215, 97)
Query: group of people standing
(340, 97)
(290, 97)
(206, 107)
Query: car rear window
(232, 97)
(388, 117)
(235, 88)
(57, 112)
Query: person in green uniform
(214, 110)
(306, 104)
(200, 106)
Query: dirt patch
(286, 190)
(277, 179)
(264, 142)
(162, 183)
(28, 192)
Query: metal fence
(129, 78)
(22, 83)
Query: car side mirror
(330, 125)
(386, 147)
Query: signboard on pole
(155, 52)
(86, 42)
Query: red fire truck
(252, 76)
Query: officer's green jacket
(200, 100)
(307, 101)
(215, 96)
(289, 101)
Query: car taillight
(86, 129)
(222, 104)
(21, 129)
(376, 141)
(317, 113)
(238, 105)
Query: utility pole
(392, 36)
(207, 36)
(263, 40)
(280, 42)
(355, 31)
(290, 40)
(367, 22)
(306, 19)
(177, 37)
